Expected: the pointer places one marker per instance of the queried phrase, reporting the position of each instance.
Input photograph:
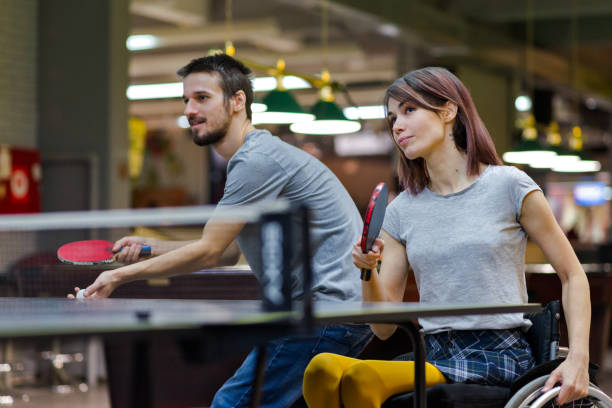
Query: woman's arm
(388, 285)
(539, 222)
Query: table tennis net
(29, 266)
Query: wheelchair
(525, 392)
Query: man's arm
(200, 254)
(131, 246)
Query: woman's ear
(449, 111)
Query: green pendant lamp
(585, 164)
(329, 118)
(529, 150)
(563, 157)
(281, 106)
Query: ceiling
(370, 42)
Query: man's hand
(102, 287)
(573, 375)
(130, 248)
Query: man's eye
(202, 97)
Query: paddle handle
(366, 274)
(145, 250)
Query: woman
(461, 225)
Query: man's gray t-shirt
(467, 247)
(264, 168)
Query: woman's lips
(403, 139)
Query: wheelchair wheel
(530, 396)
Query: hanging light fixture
(282, 108)
(329, 118)
(564, 156)
(529, 150)
(256, 106)
(584, 164)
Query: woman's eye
(410, 109)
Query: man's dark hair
(235, 76)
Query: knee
(322, 369)
(359, 382)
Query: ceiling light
(141, 42)
(529, 150)
(155, 91)
(329, 121)
(183, 122)
(364, 112)
(523, 103)
(263, 84)
(580, 166)
(175, 89)
(257, 107)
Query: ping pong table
(214, 327)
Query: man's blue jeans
(286, 361)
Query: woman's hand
(573, 375)
(369, 260)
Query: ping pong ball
(80, 294)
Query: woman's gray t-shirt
(266, 168)
(467, 247)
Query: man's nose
(189, 109)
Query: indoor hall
(92, 119)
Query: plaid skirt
(493, 357)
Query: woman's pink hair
(430, 88)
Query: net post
(307, 318)
(276, 252)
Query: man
(217, 97)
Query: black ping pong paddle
(373, 221)
(91, 252)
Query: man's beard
(212, 136)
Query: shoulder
(507, 172)
(401, 201)
(258, 147)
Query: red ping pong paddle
(375, 214)
(92, 252)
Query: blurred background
(91, 114)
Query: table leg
(141, 374)
(418, 346)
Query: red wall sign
(20, 176)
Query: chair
(543, 336)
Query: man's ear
(449, 111)
(238, 101)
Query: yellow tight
(331, 380)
